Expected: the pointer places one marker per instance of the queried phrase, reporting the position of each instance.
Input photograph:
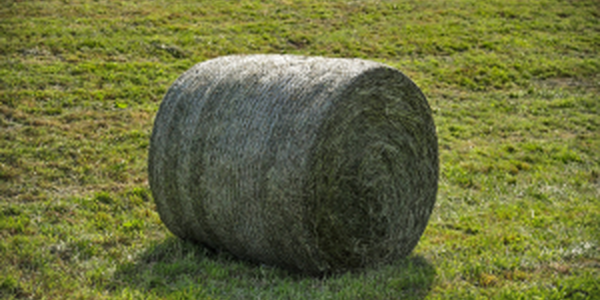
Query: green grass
(514, 86)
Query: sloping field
(515, 91)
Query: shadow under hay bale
(174, 265)
(313, 164)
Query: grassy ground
(514, 86)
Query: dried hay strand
(318, 165)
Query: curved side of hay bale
(314, 164)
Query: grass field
(515, 90)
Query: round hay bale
(314, 164)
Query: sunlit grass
(513, 85)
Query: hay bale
(314, 164)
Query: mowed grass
(514, 87)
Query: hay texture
(314, 164)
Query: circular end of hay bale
(375, 171)
(314, 164)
